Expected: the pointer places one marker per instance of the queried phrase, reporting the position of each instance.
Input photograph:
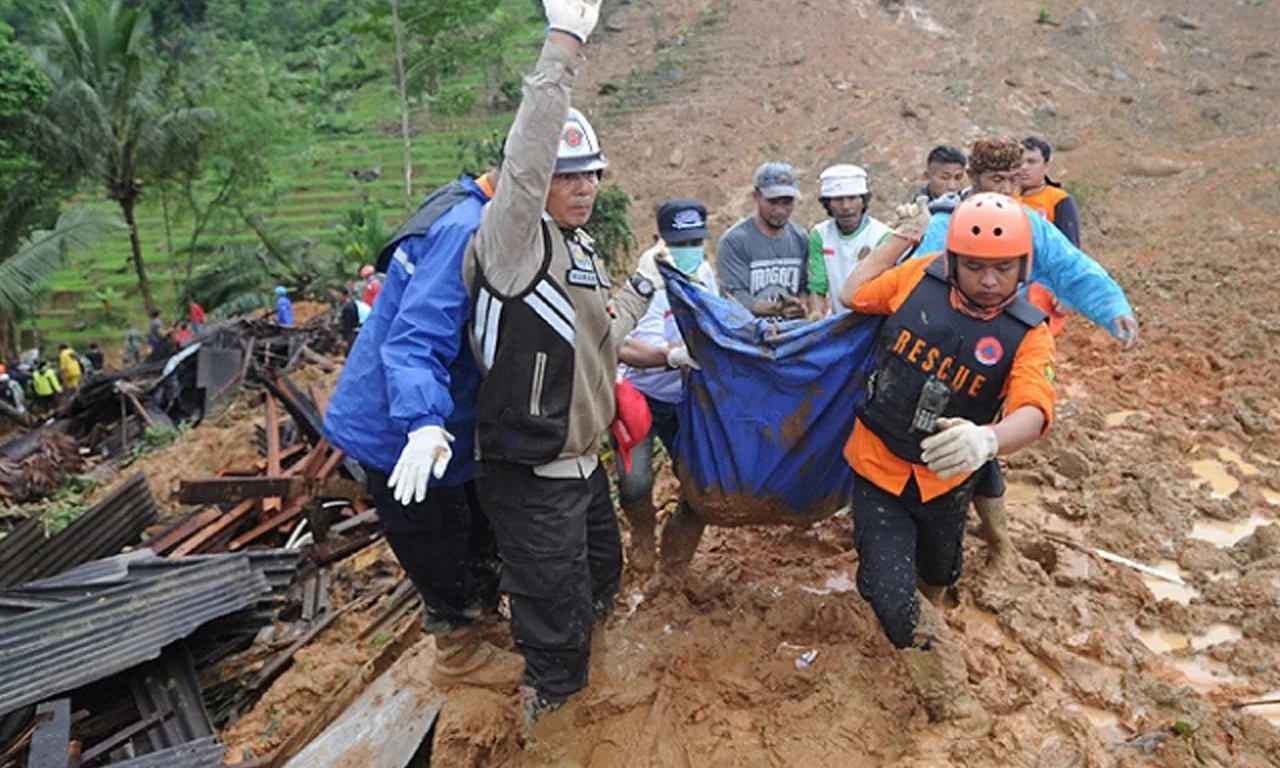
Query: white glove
(575, 17)
(647, 266)
(679, 357)
(913, 219)
(426, 454)
(961, 447)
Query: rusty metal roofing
(202, 753)
(110, 525)
(107, 629)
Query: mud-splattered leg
(680, 537)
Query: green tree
(106, 111)
(229, 172)
(36, 257)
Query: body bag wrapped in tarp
(764, 423)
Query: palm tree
(39, 255)
(104, 115)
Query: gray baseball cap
(776, 179)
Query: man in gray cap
(763, 259)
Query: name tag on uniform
(583, 272)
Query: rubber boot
(941, 679)
(642, 520)
(463, 658)
(995, 529)
(680, 537)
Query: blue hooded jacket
(411, 365)
(284, 311)
(1075, 278)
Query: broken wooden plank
(231, 490)
(271, 504)
(211, 531)
(352, 692)
(395, 712)
(49, 742)
(284, 517)
(112, 742)
(175, 535)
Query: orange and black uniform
(1059, 208)
(903, 512)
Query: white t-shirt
(658, 327)
(841, 253)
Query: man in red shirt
(372, 285)
(195, 316)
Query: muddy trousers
(561, 564)
(445, 545)
(898, 536)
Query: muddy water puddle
(1168, 590)
(1226, 533)
(1119, 418)
(1213, 473)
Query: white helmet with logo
(579, 149)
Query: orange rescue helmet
(990, 226)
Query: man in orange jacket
(1047, 198)
(959, 348)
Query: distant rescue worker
(95, 357)
(372, 285)
(155, 330)
(964, 372)
(653, 359)
(763, 260)
(132, 345)
(1047, 198)
(11, 395)
(348, 313)
(45, 385)
(195, 315)
(548, 347)
(943, 172)
(405, 408)
(69, 366)
(284, 307)
(837, 244)
(183, 336)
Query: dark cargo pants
(561, 563)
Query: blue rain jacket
(411, 365)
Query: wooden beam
(171, 538)
(271, 504)
(233, 490)
(218, 526)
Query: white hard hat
(579, 149)
(843, 181)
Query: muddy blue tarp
(768, 415)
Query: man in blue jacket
(284, 307)
(405, 408)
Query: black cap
(682, 219)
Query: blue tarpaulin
(764, 423)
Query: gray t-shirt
(753, 266)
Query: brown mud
(1169, 455)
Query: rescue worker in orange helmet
(959, 348)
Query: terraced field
(318, 187)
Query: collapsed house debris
(127, 640)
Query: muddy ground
(1165, 117)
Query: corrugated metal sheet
(205, 753)
(59, 648)
(170, 684)
(110, 525)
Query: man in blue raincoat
(408, 391)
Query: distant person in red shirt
(372, 285)
(195, 316)
(184, 335)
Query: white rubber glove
(647, 266)
(913, 219)
(576, 17)
(679, 357)
(427, 454)
(960, 448)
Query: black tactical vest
(525, 345)
(926, 338)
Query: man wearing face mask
(547, 346)
(653, 359)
